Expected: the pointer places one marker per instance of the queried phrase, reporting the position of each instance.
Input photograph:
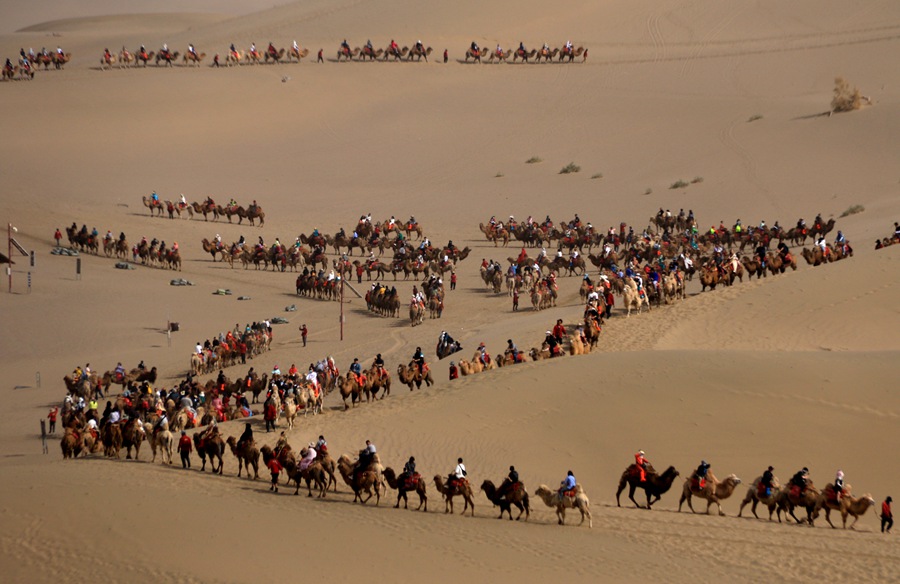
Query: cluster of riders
(894, 238)
(545, 53)
(30, 61)
(798, 493)
(229, 347)
(153, 252)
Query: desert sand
(794, 370)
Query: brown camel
(111, 435)
(366, 480)
(461, 488)
(156, 207)
(848, 505)
(791, 498)
(655, 486)
(404, 484)
(70, 443)
(209, 444)
(247, 455)
(132, 437)
(756, 497)
(514, 494)
(314, 473)
(713, 491)
(562, 502)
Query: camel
(290, 411)
(790, 499)
(9, 73)
(297, 54)
(514, 495)
(546, 54)
(371, 54)
(376, 381)
(59, 60)
(168, 57)
(144, 58)
(655, 486)
(580, 501)
(111, 435)
(163, 440)
(416, 313)
(524, 55)
(126, 59)
(276, 57)
(461, 488)
(634, 298)
(714, 491)
(132, 437)
(577, 347)
(470, 368)
(404, 485)
(571, 54)
(475, 55)
(211, 447)
(155, 207)
(755, 497)
(314, 473)
(848, 505)
(247, 455)
(367, 480)
(816, 256)
(107, 61)
(347, 53)
(410, 375)
(190, 58)
(350, 388)
(418, 53)
(70, 444)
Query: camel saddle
(797, 490)
(410, 482)
(570, 493)
(456, 483)
(697, 484)
(762, 490)
(831, 495)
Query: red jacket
(184, 444)
(274, 466)
(559, 331)
(886, 510)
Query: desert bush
(853, 210)
(570, 168)
(679, 184)
(534, 160)
(845, 99)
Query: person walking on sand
(275, 468)
(57, 236)
(303, 333)
(52, 417)
(185, 447)
(887, 517)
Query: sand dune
(794, 370)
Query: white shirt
(92, 424)
(199, 349)
(114, 417)
(460, 471)
(312, 376)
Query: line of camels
(251, 213)
(545, 54)
(778, 499)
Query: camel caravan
(152, 253)
(567, 53)
(233, 346)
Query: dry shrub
(845, 99)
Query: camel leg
(828, 519)
(631, 489)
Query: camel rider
(8, 65)
(366, 457)
(378, 364)
(246, 437)
(191, 49)
(459, 473)
(766, 481)
(821, 243)
(409, 469)
(801, 224)
(59, 51)
(509, 482)
(568, 46)
(840, 239)
(394, 49)
(233, 50)
(308, 458)
(545, 48)
(419, 359)
(783, 250)
(162, 421)
(800, 479)
(165, 48)
(356, 369)
(345, 46)
(272, 50)
(253, 50)
(761, 254)
(321, 445)
(550, 340)
(641, 463)
(512, 350)
(106, 55)
(369, 45)
(567, 485)
(701, 473)
(521, 47)
(473, 46)
(483, 356)
(838, 485)
(499, 49)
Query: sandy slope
(791, 371)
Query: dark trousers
(243, 358)
(185, 460)
(304, 340)
(886, 523)
(52, 426)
